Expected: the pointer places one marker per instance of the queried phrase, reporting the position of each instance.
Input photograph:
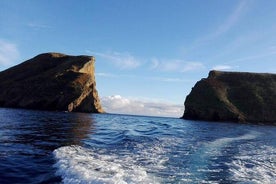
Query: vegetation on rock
(51, 81)
(233, 96)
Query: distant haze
(121, 105)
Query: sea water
(60, 147)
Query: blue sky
(149, 53)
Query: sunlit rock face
(233, 96)
(51, 81)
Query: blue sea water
(60, 147)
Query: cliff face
(233, 96)
(51, 81)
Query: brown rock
(51, 81)
(233, 96)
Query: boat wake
(77, 164)
(80, 165)
(255, 165)
(236, 159)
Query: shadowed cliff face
(233, 96)
(51, 81)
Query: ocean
(60, 147)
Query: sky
(149, 53)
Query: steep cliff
(233, 96)
(51, 81)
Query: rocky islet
(59, 82)
(51, 81)
(233, 96)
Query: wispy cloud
(107, 75)
(272, 49)
(222, 67)
(238, 44)
(121, 60)
(169, 79)
(153, 78)
(192, 66)
(115, 75)
(254, 57)
(231, 20)
(38, 25)
(8, 53)
(175, 65)
(122, 105)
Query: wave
(164, 160)
(215, 146)
(142, 163)
(76, 164)
(255, 165)
(252, 162)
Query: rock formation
(51, 81)
(233, 96)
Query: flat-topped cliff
(233, 96)
(51, 81)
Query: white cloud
(272, 49)
(167, 79)
(108, 75)
(222, 67)
(154, 63)
(9, 53)
(254, 57)
(38, 25)
(152, 78)
(230, 21)
(121, 105)
(175, 65)
(121, 60)
(191, 66)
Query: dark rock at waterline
(233, 96)
(51, 81)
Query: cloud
(175, 65)
(9, 53)
(121, 60)
(152, 78)
(254, 57)
(272, 48)
(222, 67)
(191, 66)
(154, 63)
(232, 19)
(38, 26)
(107, 75)
(121, 105)
(167, 79)
(226, 25)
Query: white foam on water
(253, 163)
(255, 166)
(205, 160)
(142, 164)
(154, 156)
(215, 147)
(218, 143)
(76, 164)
